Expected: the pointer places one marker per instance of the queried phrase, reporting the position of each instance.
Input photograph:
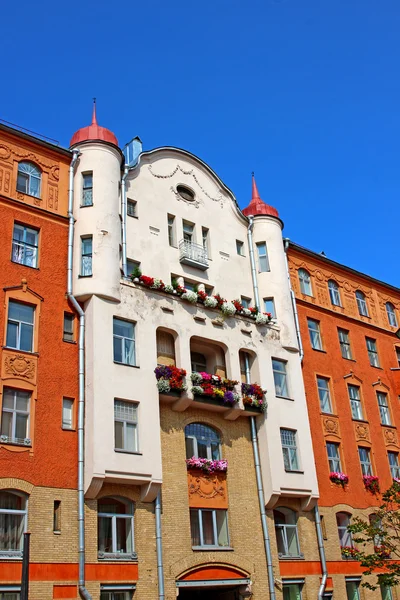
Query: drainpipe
(123, 211)
(81, 404)
(322, 557)
(160, 566)
(252, 261)
(267, 543)
(294, 305)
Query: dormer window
(29, 179)
(186, 193)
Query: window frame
(206, 441)
(107, 592)
(69, 318)
(305, 282)
(15, 552)
(272, 305)
(124, 353)
(263, 258)
(133, 203)
(125, 421)
(66, 425)
(362, 305)
(171, 224)
(327, 390)
(372, 350)
(24, 245)
(280, 373)
(87, 188)
(355, 402)
(343, 533)
(366, 465)
(334, 293)
(314, 331)
(213, 511)
(384, 409)
(391, 314)
(283, 529)
(334, 462)
(240, 248)
(395, 466)
(28, 176)
(357, 582)
(345, 344)
(188, 231)
(288, 461)
(19, 325)
(85, 272)
(15, 413)
(128, 516)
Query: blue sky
(306, 93)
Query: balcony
(193, 255)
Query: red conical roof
(93, 132)
(258, 206)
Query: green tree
(382, 533)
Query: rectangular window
(289, 449)
(263, 264)
(131, 266)
(20, 326)
(209, 528)
(15, 416)
(393, 458)
(352, 588)
(365, 460)
(324, 394)
(269, 307)
(372, 352)
(398, 355)
(315, 334)
(87, 189)
(68, 413)
(10, 592)
(171, 230)
(25, 245)
(384, 408)
(57, 516)
(131, 208)
(124, 342)
(280, 377)
(240, 248)
(205, 240)
(355, 402)
(68, 334)
(125, 426)
(86, 256)
(245, 302)
(344, 341)
(333, 457)
(188, 230)
(292, 591)
(116, 593)
(386, 592)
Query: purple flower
(163, 371)
(229, 398)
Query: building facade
(351, 368)
(39, 380)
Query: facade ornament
(20, 366)
(218, 198)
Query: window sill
(69, 341)
(298, 557)
(85, 205)
(132, 216)
(121, 451)
(319, 350)
(294, 471)
(375, 367)
(11, 555)
(285, 398)
(126, 365)
(395, 368)
(390, 426)
(212, 548)
(68, 428)
(360, 420)
(119, 556)
(28, 352)
(30, 195)
(57, 532)
(16, 262)
(329, 414)
(350, 359)
(84, 276)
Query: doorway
(209, 593)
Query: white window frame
(356, 582)
(131, 208)
(239, 248)
(69, 318)
(333, 453)
(23, 252)
(269, 306)
(205, 238)
(344, 343)
(298, 589)
(391, 314)
(314, 331)
(68, 422)
(362, 304)
(15, 552)
(384, 410)
(123, 341)
(20, 324)
(114, 516)
(372, 352)
(171, 230)
(289, 450)
(111, 592)
(199, 512)
(125, 420)
(87, 190)
(334, 293)
(208, 437)
(86, 256)
(188, 231)
(394, 464)
(29, 172)
(324, 394)
(263, 261)
(356, 406)
(7, 590)
(282, 530)
(305, 282)
(280, 378)
(15, 412)
(245, 301)
(364, 455)
(345, 537)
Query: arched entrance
(214, 582)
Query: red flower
(147, 281)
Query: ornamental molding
(380, 383)
(53, 169)
(207, 489)
(362, 432)
(331, 426)
(390, 437)
(20, 366)
(218, 198)
(195, 202)
(352, 376)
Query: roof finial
(94, 119)
(254, 190)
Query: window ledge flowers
(213, 386)
(169, 379)
(207, 465)
(382, 551)
(227, 308)
(253, 395)
(371, 483)
(339, 478)
(349, 552)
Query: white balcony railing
(192, 254)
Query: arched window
(305, 282)
(391, 314)
(287, 538)
(376, 523)
(334, 293)
(29, 179)
(362, 304)
(343, 521)
(202, 441)
(12, 521)
(199, 362)
(115, 526)
(165, 348)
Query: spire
(254, 191)
(94, 132)
(257, 206)
(94, 118)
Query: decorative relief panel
(190, 172)
(390, 437)
(361, 431)
(330, 426)
(19, 366)
(207, 490)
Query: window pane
(12, 335)
(208, 528)
(6, 424)
(352, 590)
(119, 434)
(189, 442)
(104, 534)
(21, 426)
(20, 312)
(123, 328)
(67, 413)
(292, 591)
(12, 527)
(117, 342)
(222, 528)
(280, 539)
(124, 535)
(194, 527)
(269, 306)
(324, 394)
(292, 541)
(130, 442)
(26, 337)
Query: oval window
(185, 192)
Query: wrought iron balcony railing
(193, 255)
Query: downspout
(252, 261)
(267, 543)
(294, 305)
(160, 566)
(81, 404)
(124, 211)
(322, 557)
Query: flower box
(207, 465)
(215, 388)
(382, 551)
(371, 483)
(349, 552)
(170, 380)
(339, 478)
(254, 396)
(253, 408)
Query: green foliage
(382, 535)
(136, 273)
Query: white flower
(210, 302)
(190, 296)
(163, 385)
(228, 309)
(261, 319)
(157, 284)
(247, 312)
(168, 288)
